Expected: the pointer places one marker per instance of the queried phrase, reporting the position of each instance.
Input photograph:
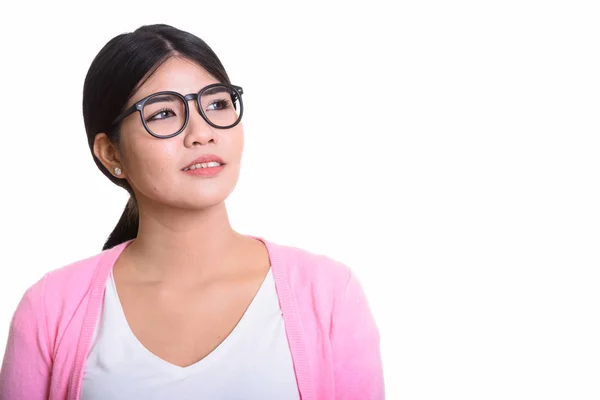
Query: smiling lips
(206, 165)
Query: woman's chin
(203, 200)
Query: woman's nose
(198, 130)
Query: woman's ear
(108, 154)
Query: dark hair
(115, 73)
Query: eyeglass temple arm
(125, 114)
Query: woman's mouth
(211, 164)
(205, 169)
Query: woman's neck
(178, 246)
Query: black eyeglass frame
(236, 94)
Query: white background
(446, 151)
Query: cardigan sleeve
(358, 371)
(27, 363)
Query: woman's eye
(218, 105)
(163, 114)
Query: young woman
(178, 305)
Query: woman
(178, 304)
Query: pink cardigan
(331, 332)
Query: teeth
(204, 165)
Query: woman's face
(155, 167)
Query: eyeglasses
(166, 114)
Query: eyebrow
(216, 90)
(159, 99)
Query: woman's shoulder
(303, 266)
(78, 272)
(321, 288)
(48, 304)
(65, 284)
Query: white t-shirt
(253, 362)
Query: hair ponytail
(127, 227)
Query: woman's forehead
(176, 74)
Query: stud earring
(118, 171)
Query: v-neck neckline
(230, 340)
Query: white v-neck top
(253, 362)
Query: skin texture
(186, 257)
